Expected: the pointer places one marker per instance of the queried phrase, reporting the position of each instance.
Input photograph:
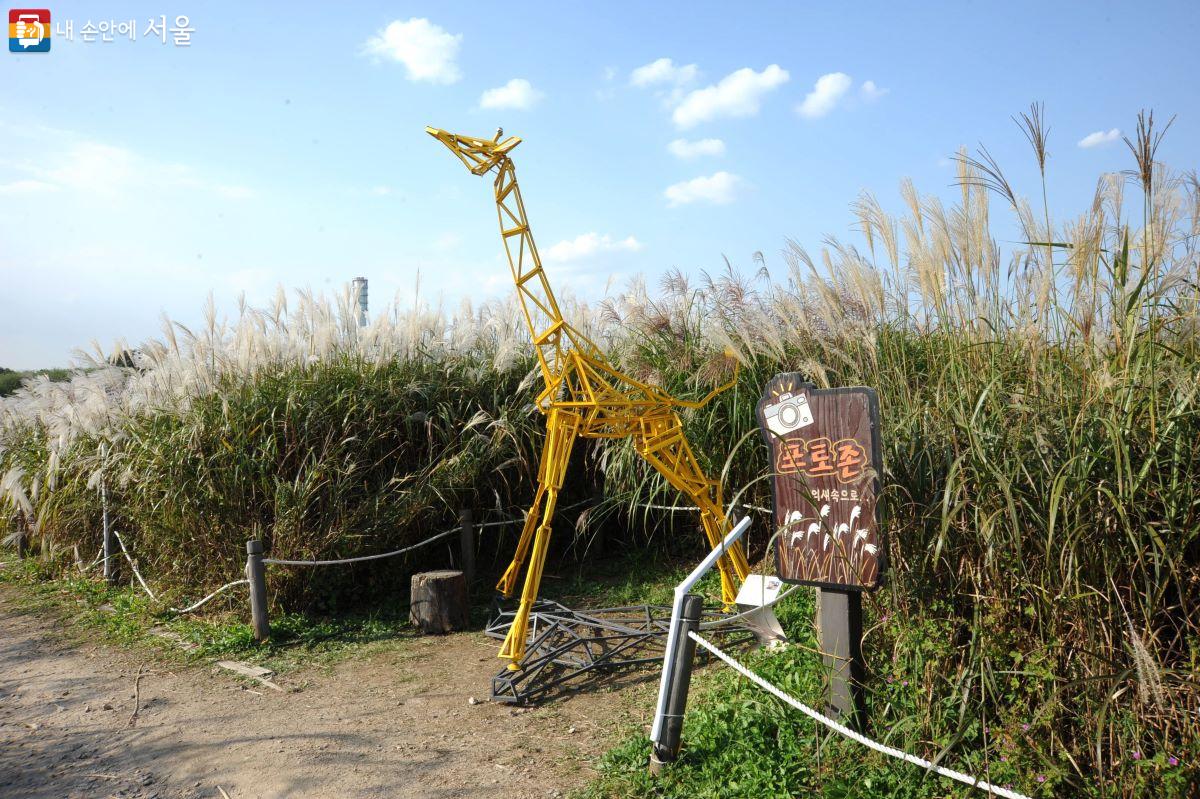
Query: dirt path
(395, 724)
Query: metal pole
(256, 573)
(841, 629)
(467, 544)
(681, 591)
(106, 528)
(667, 748)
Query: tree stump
(439, 601)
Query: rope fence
(196, 605)
(842, 729)
(418, 545)
(725, 621)
(134, 567)
(462, 530)
(190, 608)
(693, 508)
(480, 526)
(360, 559)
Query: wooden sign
(824, 449)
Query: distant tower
(360, 288)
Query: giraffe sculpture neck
(553, 338)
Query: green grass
(11, 380)
(740, 741)
(124, 615)
(625, 578)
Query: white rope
(712, 625)
(133, 566)
(691, 508)
(150, 593)
(196, 605)
(515, 520)
(849, 733)
(99, 559)
(418, 545)
(503, 523)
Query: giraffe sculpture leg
(662, 443)
(508, 583)
(562, 428)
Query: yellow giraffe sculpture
(584, 396)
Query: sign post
(825, 463)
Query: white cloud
(27, 187)
(739, 94)
(447, 242)
(663, 71)
(871, 92)
(587, 245)
(93, 169)
(517, 94)
(1099, 138)
(682, 148)
(827, 92)
(427, 51)
(717, 189)
(234, 192)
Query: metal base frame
(572, 646)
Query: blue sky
(287, 146)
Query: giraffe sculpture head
(479, 155)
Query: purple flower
(1173, 761)
(1025, 727)
(905, 683)
(1041, 778)
(891, 680)
(1137, 755)
(1003, 758)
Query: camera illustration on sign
(824, 449)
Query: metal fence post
(467, 544)
(106, 528)
(257, 575)
(667, 749)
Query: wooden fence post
(467, 544)
(22, 534)
(257, 575)
(841, 630)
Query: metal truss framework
(567, 647)
(584, 396)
